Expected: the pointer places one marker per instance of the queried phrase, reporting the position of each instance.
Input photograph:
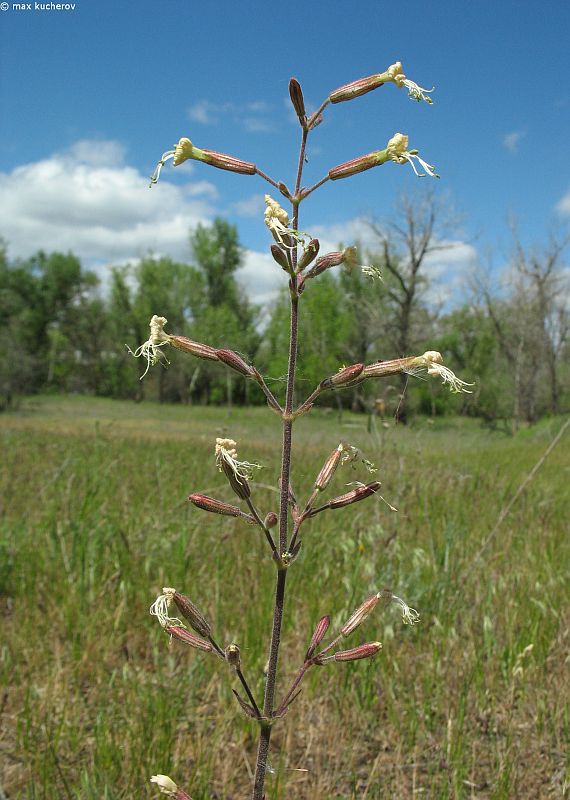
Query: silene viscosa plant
(298, 256)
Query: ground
(471, 703)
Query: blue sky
(92, 96)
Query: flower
(226, 453)
(397, 149)
(181, 152)
(415, 92)
(150, 350)
(409, 615)
(372, 272)
(432, 362)
(277, 220)
(160, 607)
(165, 784)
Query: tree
(402, 250)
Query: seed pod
(195, 348)
(233, 656)
(215, 506)
(356, 88)
(223, 161)
(188, 638)
(328, 469)
(325, 262)
(271, 520)
(309, 254)
(358, 616)
(296, 95)
(354, 495)
(362, 651)
(235, 362)
(194, 616)
(318, 636)
(360, 164)
(239, 484)
(281, 257)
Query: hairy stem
(269, 698)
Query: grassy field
(469, 704)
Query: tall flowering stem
(302, 269)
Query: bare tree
(532, 322)
(421, 229)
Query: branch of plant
(257, 517)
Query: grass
(470, 704)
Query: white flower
(432, 362)
(150, 350)
(277, 220)
(165, 784)
(180, 153)
(226, 452)
(160, 607)
(415, 92)
(409, 615)
(398, 151)
(372, 272)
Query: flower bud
(235, 362)
(215, 506)
(328, 469)
(195, 348)
(271, 520)
(309, 254)
(281, 257)
(296, 95)
(344, 377)
(223, 161)
(358, 616)
(194, 616)
(357, 88)
(318, 636)
(233, 656)
(362, 651)
(188, 638)
(354, 495)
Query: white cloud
(563, 205)
(262, 277)
(253, 116)
(88, 201)
(512, 140)
(253, 206)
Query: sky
(93, 92)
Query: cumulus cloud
(512, 140)
(89, 201)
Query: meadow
(471, 703)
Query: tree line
(66, 332)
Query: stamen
(226, 452)
(418, 93)
(160, 607)
(409, 615)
